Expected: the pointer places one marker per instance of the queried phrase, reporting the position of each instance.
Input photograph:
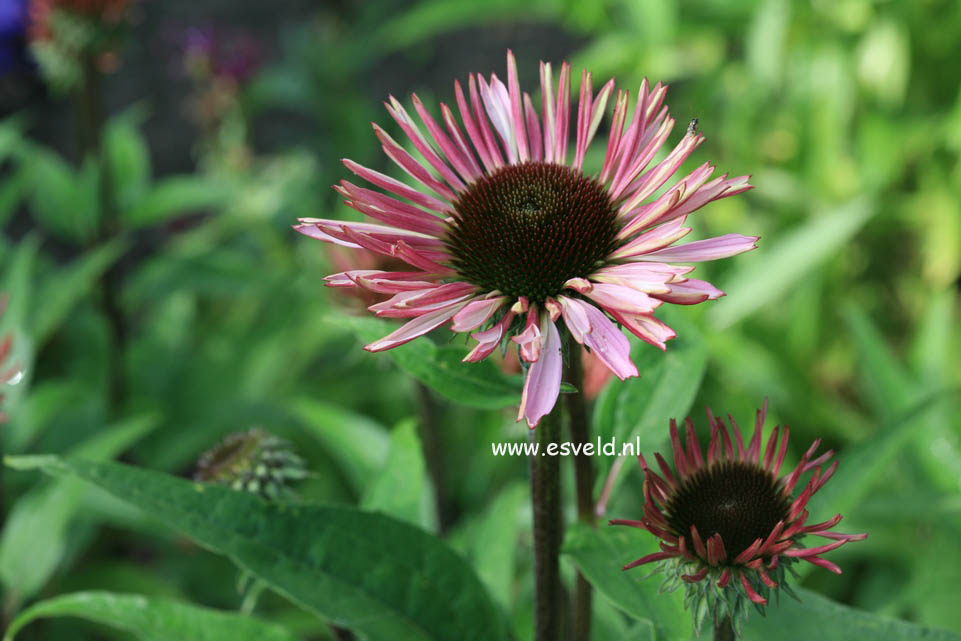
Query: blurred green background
(201, 313)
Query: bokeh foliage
(848, 115)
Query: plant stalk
(546, 506)
(92, 123)
(433, 448)
(724, 630)
(583, 482)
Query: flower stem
(723, 630)
(584, 483)
(430, 436)
(546, 506)
(92, 124)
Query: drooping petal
(417, 327)
(543, 383)
(608, 343)
(476, 313)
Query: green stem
(583, 482)
(723, 630)
(433, 448)
(546, 507)
(92, 116)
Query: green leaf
(480, 385)
(35, 535)
(385, 579)
(64, 289)
(63, 200)
(886, 383)
(152, 619)
(358, 443)
(173, 197)
(816, 617)
(601, 553)
(401, 489)
(638, 410)
(128, 159)
(766, 276)
(870, 461)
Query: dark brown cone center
(526, 229)
(739, 500)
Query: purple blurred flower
(13, 35)
(223, 53)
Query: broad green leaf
(642, 631)
(174, 197)
(35, 535)
(763, 278)
(816, 617)
(12, 190)
(64, 200)
(129, 161)
(886, 383)
(400, 489)
(65, 288)
(16, 287)
(494, 543)
(480, 385)
(151, 619)
(638, 411)
(385, 579)
(867, 463)
(358, 443)
(601, 553)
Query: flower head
(254, 461)
(507, 236)
(729, 526)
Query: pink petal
(399, 114)
(563, 114)
(533, 129)
(393, 185)
(547, 108)
(642, 188)
(690, 291)
(575, 318)
(409, 164)
(701, 250)
(413, 329)
(463, 163)
(476, 313)
(489, 339)
(608, 343)
(543, 383)
(653, 240)
(621, 298)
(516, 109)
(497, 104)
(751, 594)
(530, 340)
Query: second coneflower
(729, 526)
(506, 235)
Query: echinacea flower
(254, 461)
(507, 234)
(728, 525)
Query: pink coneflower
(727, 521)
(507, 235)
